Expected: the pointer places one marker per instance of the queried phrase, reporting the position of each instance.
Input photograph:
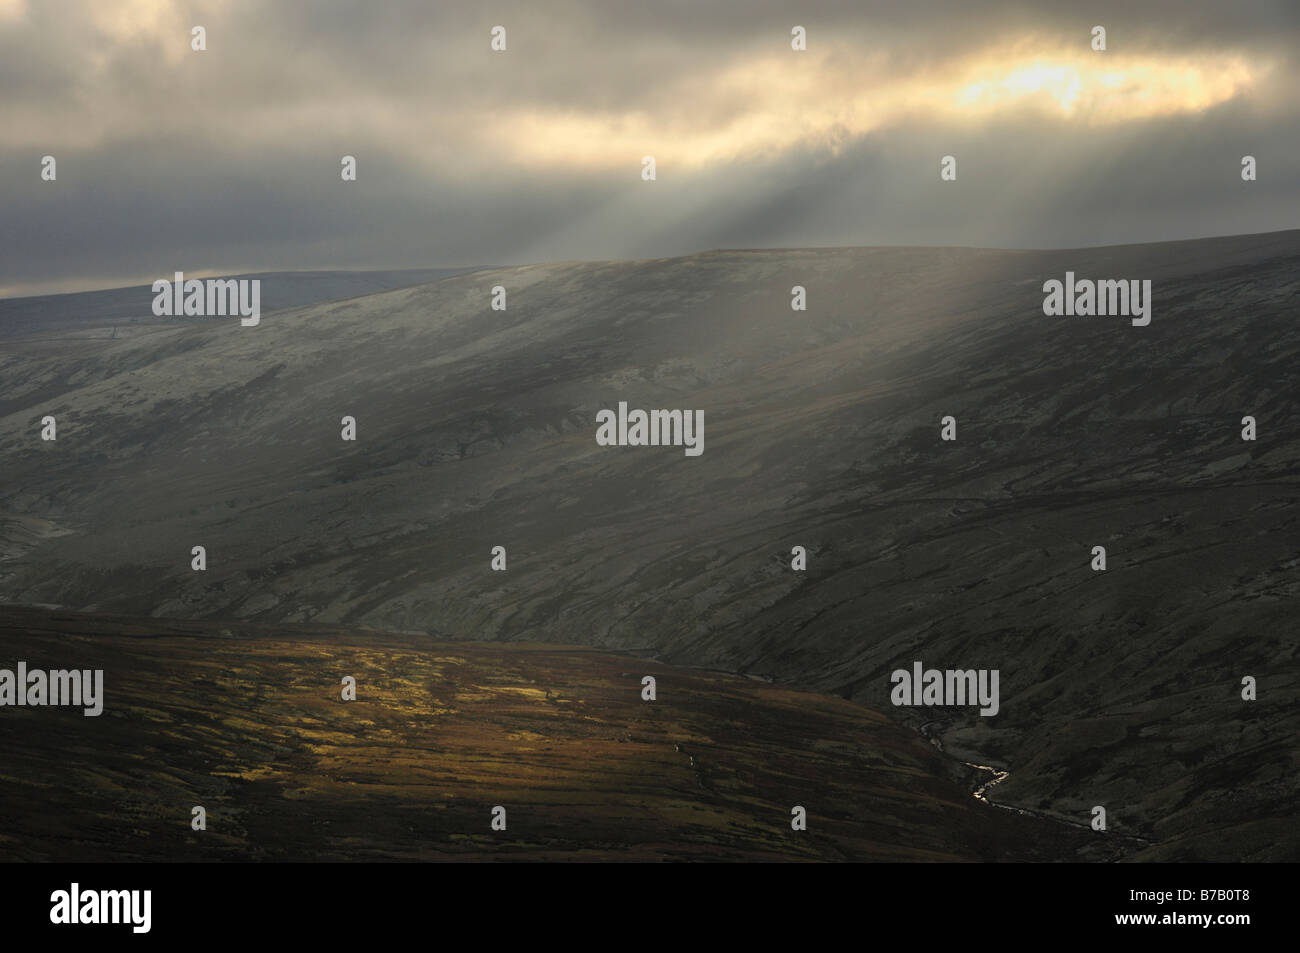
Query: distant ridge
(281, 290)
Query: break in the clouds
(228, 159)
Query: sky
(228, 160)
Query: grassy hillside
(247, 721)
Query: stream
(999, 775)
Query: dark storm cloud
(229, 159)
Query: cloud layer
(228, 159)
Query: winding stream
(998, 777)
(981, 791)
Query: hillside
(247, 722)
(821, 429)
